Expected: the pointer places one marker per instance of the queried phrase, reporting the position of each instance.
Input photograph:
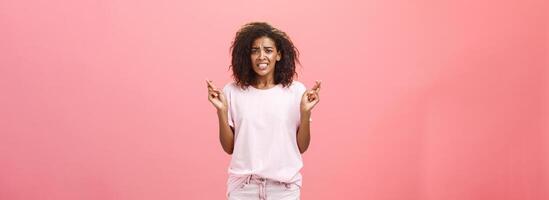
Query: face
(264, 56)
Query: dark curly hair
(241, 65)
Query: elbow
(228, 151)
(303, 146)
(302, 150)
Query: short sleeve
(300, 89)
(227, 91)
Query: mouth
(262, 66)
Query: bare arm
(303, 133)
(308, 101)
(226, 132)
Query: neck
(265, 82)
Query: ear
(278, 56)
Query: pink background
(421, 100)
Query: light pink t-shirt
(265, 124)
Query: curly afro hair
(241, 64)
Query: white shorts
(265, 189)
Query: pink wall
(545, 131)
(425, 100)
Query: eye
(269, 51)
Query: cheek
(252, 58)
(272, 57)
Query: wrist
(221, 111)
(305, 114)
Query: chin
(262, 72)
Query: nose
(262, 55)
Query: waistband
(260, 181)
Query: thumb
(306, 93)
(221, 96)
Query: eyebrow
(264, 47)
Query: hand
(310, 98)
(216, 97)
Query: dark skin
(264, 57)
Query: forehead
(263, 42)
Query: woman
(264, 115)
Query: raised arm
(226, 132)
(308, 101)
